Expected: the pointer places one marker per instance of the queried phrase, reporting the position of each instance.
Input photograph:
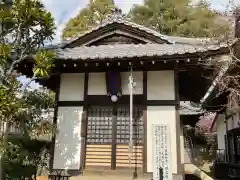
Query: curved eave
(187, 64)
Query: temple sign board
(161, 152)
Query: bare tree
(227, 77)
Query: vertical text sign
(161, 152)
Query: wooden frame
(100, 100)
(84, 120)
(145, 122)
(57, 91)
(177, 106)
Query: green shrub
(23, 158)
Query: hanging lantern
(113, 81)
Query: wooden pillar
(180, 168)
(145, 121)
(57, 90)
(84, 123)
(226, 139)
(114, 137)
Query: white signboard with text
(161, 152)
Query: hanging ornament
(113, 82)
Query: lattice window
(123, 128)
(99, 126)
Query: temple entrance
(108, 133)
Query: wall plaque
(162, 166)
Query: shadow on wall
(67, 149)
(191, 177)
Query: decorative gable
(118, 33)
(117, 37)
(117, 30)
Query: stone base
(178, 177)
(115, 175)
(110, 177)
(42, 178)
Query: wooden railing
(196, 155)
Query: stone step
(121, 174)
(127, 174)
(116, 177)
(113, 177)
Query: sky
(63, 10)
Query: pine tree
(179, 18)
(95, 12)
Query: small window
(237, 142)
(238, 145)
(231, 149)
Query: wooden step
(121, 174)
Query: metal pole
(131, 120)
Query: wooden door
(99, 137)
(123, 131)
(108, 137)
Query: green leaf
(5, 53)
(44, 62)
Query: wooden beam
(145, 122)
(104, 100)
(70, 103)
(84, 123)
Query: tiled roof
(169, 39)
(188, 108)
(173, 46)
(124, 22)
(130, 51)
